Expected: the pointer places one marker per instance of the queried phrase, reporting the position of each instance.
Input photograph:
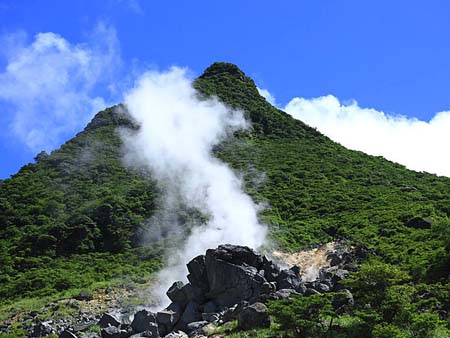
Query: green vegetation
(76, 216)
(386, 305)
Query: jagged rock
(67, 334)
(168, 318)
(285, 293)
(267, 288)
(176, 293)
(194, 326)
(210, 317)
(230, 283)
(289, 279)
(254, 316)
(143, 321)
(194, 293)
(271, 271)
(322, 287)
(41, 329)
(197, 273)
(176, 334)
(114, 332)
(210, 307)
(84, 296)
(334, 259)
(191, 314)
(108, 319)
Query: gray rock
(176, 334)
(210, 317)
(322, 287)
(109, 319)
(176, 293)
(84, 296)
(41, 329)
(191, 314)
(168, 318)
(289, 279)
(194, 293)
(254, 316)
(210, 307)
(230, 283)
(114, 332)
(197, 273)
(67, 334)
(194, 326)
(267, 287)
(143, 321)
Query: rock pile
(227, 283)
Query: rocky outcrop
(229, 283)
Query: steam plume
(177, 134)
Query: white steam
(176, 138)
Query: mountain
(79, 209)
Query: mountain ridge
(79, 207)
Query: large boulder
(233, 275)
(176, 293)
(143, 320)
(289, 279)
(109, 319)
(191, 314)
(197, 273)
(254, 316)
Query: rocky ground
(227, 284)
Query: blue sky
(392, 56)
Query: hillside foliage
(82, 202)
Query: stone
(197, 273)
(267, 287)
(41, 329)
(114, 332)
(168, 318)
(254, 316)
(230, 283)
(194, 293)
(143, 321)
(67, 334)
(191, 314)
(176, 293)
(289, 279)
(210, 317)
(84, 296)
(334, 259)
(109, 319)
(210, 307)
(177, 334)
(194, 326)
(271, 271)
(322, 287)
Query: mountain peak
(224, 68)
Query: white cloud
(419, 145)
(49, 84)
(267, 95)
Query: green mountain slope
(79, 203)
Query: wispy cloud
(419, 145)
(49, 86)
